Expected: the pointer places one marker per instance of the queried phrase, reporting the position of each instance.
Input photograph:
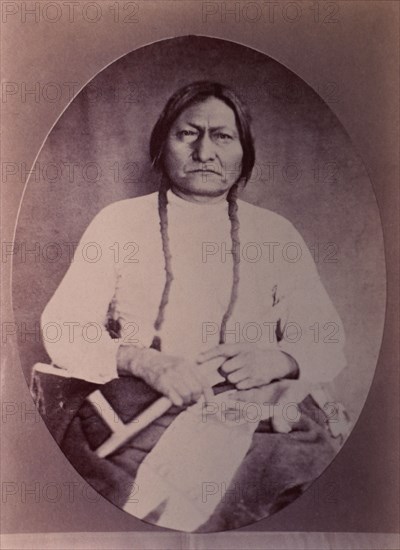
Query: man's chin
(210, 187)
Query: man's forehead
(210, 112)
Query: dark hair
(196, 92)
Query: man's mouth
(205, 171)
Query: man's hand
(175, 377)
(248, 366)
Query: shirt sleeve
(73, 323)
(309, 327)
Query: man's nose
(204, 149)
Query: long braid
(232, 210)
(163, 214)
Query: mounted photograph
(207, 284)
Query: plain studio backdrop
(306, 170)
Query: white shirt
(120, 261)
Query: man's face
(203, 153)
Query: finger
(204, 385)
(196, 394)
(197, 383)
(174, 397)
(182, 387)
(245, 384)
(222, 350)
(233, 364)
(207, 391)
(238, 376)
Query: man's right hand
(175, 377)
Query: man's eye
(223, 137)
(186, 133)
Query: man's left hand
(248, 366)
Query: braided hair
(193, 93)
(232, 211)
(183, 98)
(163, 214)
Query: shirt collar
(193, 207)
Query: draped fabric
(276, 467)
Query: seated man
(177, 301)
